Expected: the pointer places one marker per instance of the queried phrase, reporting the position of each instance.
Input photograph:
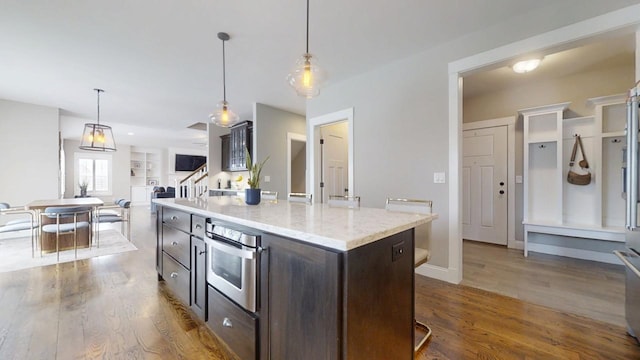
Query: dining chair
(351, 202)
(269, 195)
(300, 198)
(74, 220)
(119, 212)
(421, 243)
(24, 223)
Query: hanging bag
(573, 177)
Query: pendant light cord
(224, 77)
(98, 91)
(307, 26)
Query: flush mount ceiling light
(307, 76)
(223, 116)
(526, 66)
(97, 137)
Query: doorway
(296, 163)
(338, 137)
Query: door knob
(174, 275)
(174, 243)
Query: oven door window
(227, 267)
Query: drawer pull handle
(174, 275)
(174, 243)
(174, 217)
(202, 252)
(227, 322)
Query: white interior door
(484, 185)
(335, 177)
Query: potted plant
(83, 184)
(252, 194)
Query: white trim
(94, 156)
(313, 126)
(509, 122)
(504, 121)
(437, 272)
(609, 258)
(616, 20)
(292, 137)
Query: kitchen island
(331, 283)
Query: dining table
(48, 240)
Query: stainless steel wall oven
(232, 263)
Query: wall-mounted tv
(189, 162)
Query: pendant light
(307, 76)
(223, 116)
(97, 137)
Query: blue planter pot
(252, 196)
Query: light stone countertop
(332, 227)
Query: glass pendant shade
(307, 77)
(223, 116)
(97, 137)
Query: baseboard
(518, 245)
(438, 272)
(574, 253)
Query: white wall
(29, 152)
(576, 88)
(401, 124)
(270, 128)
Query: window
(95, 170)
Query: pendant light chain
(98, 91)
(224, 76)
(307, 26)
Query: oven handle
(245, 254)
(623, 256)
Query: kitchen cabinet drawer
(197, 226)
(178, 219)
(177, 277)
(177, 244)
(232, 324)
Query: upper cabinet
(233, 147)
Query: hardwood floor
(588, 288)
(113, 307)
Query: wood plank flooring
(113, 307)
(582, 287)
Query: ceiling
(615, 50)
(160, 62)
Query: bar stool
(120, 212)
(351, 202)
(61, 213)
(300, 197)
(269, 195)
(421, 243)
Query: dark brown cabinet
(300, 297)
(198, 273)
(224, 152)
(320, 304)
(233, 147)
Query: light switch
(439, 178)
(518, 179)
(267, 178)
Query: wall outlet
(518, 179)
(267, 178)
(439, 178)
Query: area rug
(15, 254)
